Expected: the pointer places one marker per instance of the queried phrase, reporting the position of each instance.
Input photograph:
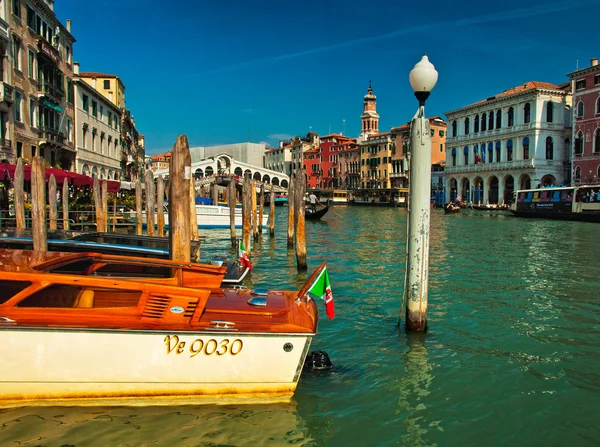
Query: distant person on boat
(313, 201)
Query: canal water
(511, 357)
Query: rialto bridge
(205, 170)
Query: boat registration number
(206, 347)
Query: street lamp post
(423, 78)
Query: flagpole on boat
(423, 78)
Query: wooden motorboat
(81, 326)
(124, 244)
(315, 215)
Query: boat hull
(76, 364)
(581, 217)
(211, 216)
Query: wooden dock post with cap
(246, 211)
(104, 198)
(299, 189)
(193, 216)
(272, 213)
(180, 171)
(255, 223)
(38, 204)
(150, 202)
(99, 212)
(261, 207)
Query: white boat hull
(211, 216)
(56, 364)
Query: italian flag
(321, 288)
(244, 258)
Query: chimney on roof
(76, 68)
(594, 61)
(68, 25)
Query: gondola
(450, 209)
(315, 215)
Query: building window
(466, 154)
(69, 130)
(509, 150)
(32, 65)
(101, 117)
(550, 112)
(466, 126)
(549, 149)
(68, 54)
(598, 106)
(107, 84)
(453, 128)
(498, 151)
(18, 106)
(580, 109)
(109, 119)
(596, 79)
(491, 121)
(93, 140)
(17, 54)
(84, 136)
(579, 144)
(597, 141)
(491, 153)
(20, 149)
(94, 108)
(85, 103)
(498, 119)
(475, 124)
(484, 122)
(511, 117)
(526, 148)
(33, 113)
(580, 84)
(70, 92)
(527, 113)
(578, 174)
(33, 150)
(16, 7)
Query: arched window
(527, 113)
(498, 119)
(476, 124)
(466, 126)
(509, 150)
(597, 141)
(598, 106)
(483, 122)
(578, 174)
(579, 143)
(454, 128)
(549, 149)
(550, 112)
(511, 117)
(453, 156)
(490, 152)
(580, 109)
(498, 151)
(491, 120)
(466, 152)
(526, 148)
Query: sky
(231, 71)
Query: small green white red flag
(244, 258)
(321, 288)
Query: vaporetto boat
(213, 216)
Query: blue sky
(231, 71)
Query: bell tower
(370, 118)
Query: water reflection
(256, 425)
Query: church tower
(370, 118)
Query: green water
(512, 355)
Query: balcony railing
(7, 93)
(5, 144)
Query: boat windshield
(93, 267)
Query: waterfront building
(97, 121)
(349, 161)
(517, 139)
(37, 81)
(299, 148)
(312, 165)
(279, 158)
(160, 161)
(376, 152)
(585, 84)
(330, 147)
(113, 89)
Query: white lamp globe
(424, 76)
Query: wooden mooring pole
(20, 196)
(255, 223)
(299, 189)
(99, 214)
(291, 214)
(138, 207)
(65, 205)
(52, 210)
(194, 217)
(38, 204)
(272, 213)
(160, 205)
(231, 196)
(150, 202)
(180, 171)
(247, 211)
(104, 196)
(261, 208)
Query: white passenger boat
(81, 326)
(212, 216)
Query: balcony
(399, 174)
(6, 93)
(52, 91)
(5, 144)
(52, 135)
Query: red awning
(8, 170)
